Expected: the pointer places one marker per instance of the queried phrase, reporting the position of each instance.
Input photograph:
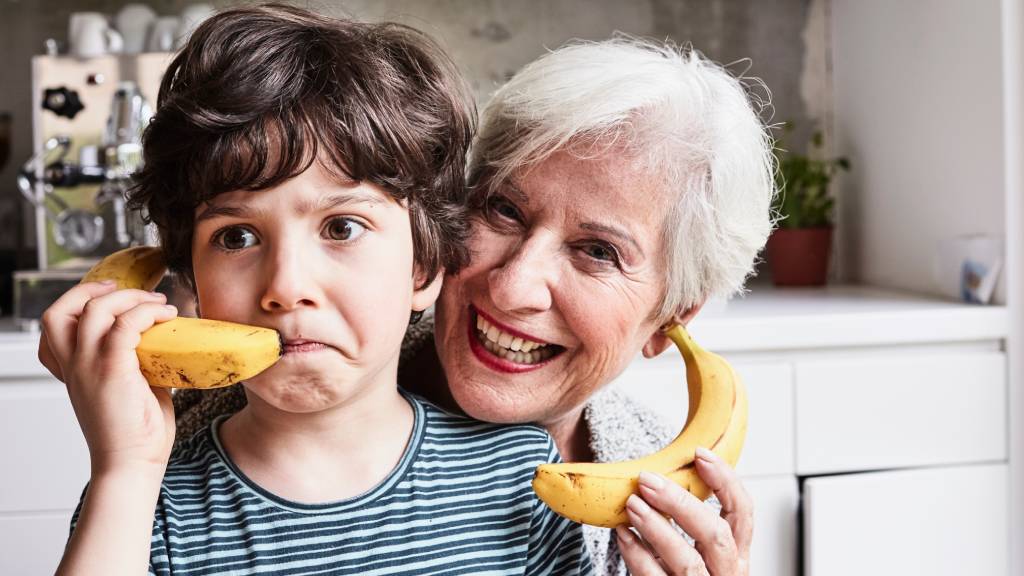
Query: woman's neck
(572, 437)
(422, 374)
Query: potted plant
(798, 250)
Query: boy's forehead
(301, 195)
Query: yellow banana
(596, 493)
(188, 352)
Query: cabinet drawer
(660, 384)
(33, 543)
(945, 521)
(45, 457)
(774, 549)
(861, 413)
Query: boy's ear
(426, 294)
(658, 341)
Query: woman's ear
(425, 294)
(658, 341)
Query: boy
(306, 175)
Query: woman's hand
(722, 542)
(89, 339)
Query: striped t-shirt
(459, 502)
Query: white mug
(191, 17)
(163, 34)
(133, 22)
(90, 35)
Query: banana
(188, 352)
(596, 493)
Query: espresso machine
(87, 123)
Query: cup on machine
(91, 35)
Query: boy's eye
(343, 229)
(235, 238)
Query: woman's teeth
(509, 347)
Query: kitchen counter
(844, 316)
(764, 320)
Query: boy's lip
(297, 345)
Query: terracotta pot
(800, 257)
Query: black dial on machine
(62, 102)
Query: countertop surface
(764, 320)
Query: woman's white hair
(688, 119)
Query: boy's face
(329, 265)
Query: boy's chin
(303, 391)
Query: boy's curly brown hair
(260, 93)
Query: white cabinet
(32, 543)
(896, 411)
(46, 466)
(946, 521)
(774, 550)
(879, 415)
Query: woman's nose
(290, 283)
(524, 280)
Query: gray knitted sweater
(620, 429)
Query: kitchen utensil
(133, 22)
(191, 17)
(90, 35)
(163, 34)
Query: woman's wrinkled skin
(571, 253)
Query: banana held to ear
(593, 493)
(188, 352)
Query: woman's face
(567, 268)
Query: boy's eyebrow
(322, 204)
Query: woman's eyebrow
(612, 231)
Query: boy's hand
(89, 339)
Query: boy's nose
(289, 284)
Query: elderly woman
(615, 186)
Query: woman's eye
(343, 229)
(235, 238)
(502, 207)
(601, 252)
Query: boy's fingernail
(652, 481)
(705, 454)
(636, 504)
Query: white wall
(918, 99)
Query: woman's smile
(505, 349)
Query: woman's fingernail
(637, 505)
(625, 535)
(705, 454)
(652, 481)
(171, 308)
(108, 282)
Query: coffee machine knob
(62, 101)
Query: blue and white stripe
(459, 502)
